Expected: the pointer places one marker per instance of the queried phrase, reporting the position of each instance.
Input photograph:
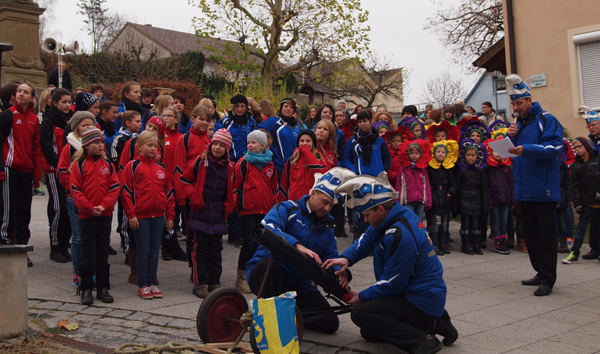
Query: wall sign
(538, 80)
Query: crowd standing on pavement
(196, 178)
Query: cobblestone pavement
(492, 311)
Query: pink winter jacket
(413, 186)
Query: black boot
(56, 255)
(111, 251)
(475, 240)
(436, 244)
(166, 254)
(103, 295)
(87, 283)
(64, 250)
(446, 329)
(442, 245)
(173, 247)
(465, 246)
(87, 298)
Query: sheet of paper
(502, 146)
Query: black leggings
(249, 246)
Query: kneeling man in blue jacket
(405, 307)
(307, 225)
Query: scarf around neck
(366, 140)
(259, 160)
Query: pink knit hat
(223, 136)
(162, 127)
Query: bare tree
(99, 23)
(114, 23)
(287, 35)
(444, 89)
(46, 19)
(369, 79)
(469, 28)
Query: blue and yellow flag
(274, 321)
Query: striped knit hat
(587, 143)
(223, 136)
(91, 134)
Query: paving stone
(139, 316)
(72, 307)
(81, 318)
(321, 349)
(131, 331)
(96, 310)
(32, 303)
(119, 313)
(114, 328)
(127, 336)
(160, 320)
(49, 305)
(182, 323)
(134, 324)
(110, 320)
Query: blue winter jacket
(596, 141)
(292, 221)
(239, 134)
(537, 172)
(284, 140)
(404, 261)
(380, 158)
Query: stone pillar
(19, 24)
(13, 291)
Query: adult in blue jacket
(240, 123)
(284, 129)
(537, 136)
(306, 225)
(405, 307)
(366, 154)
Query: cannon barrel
(280, 248)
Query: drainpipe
(511, 36)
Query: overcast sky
(396, 32)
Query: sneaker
(155, 292)
(145, 293)
(571, 258)
(76, 281)
(201, 291)
(430, 345)
(500, 245)
(239, 243)
(180, 236)
(38, 191)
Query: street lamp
(495, 75)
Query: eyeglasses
(577, 146)
(168, 116)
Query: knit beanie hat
(84, 100)
(587, 143)
(223, 136)
(91, 134)
(287, 99)
(410, 109)
(78, 117)
(162, 127)
(308, 132)
(260, 137)
(239, 98)
(212, 98)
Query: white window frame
(579, 39)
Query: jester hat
(328, 182)
(410, 123)
(498, 124)
(425, 155)
(451, 147)
(366, 191)
(482, 154)
(590, 115)
(517, 88)
(404, 132)
(451, 131)
(381, 123)
(491, 160)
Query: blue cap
(366, 191)
(517, 88)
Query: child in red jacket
(208, 184)
(20, 165)
(326, 142)
(299, 170)
(95, 188)
(394, 139)
(147, 197)
(256, 188)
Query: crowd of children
(205, 176)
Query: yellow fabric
(498, 132)
(451, 155)
(268, 317)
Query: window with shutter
(589, 67)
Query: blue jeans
(499, 219)
(469, 222)
(438, 224)
(75, 236)
(587, 213)
(147, 240)
(417, 208)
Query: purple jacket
(210, 218)
(413, 186)
(501, 184)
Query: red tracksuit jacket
(297, 180)
(62, 170)
(256, 189)
(171, 139)
(94, 182)
(189, 147)
(329, 156)
(146, 190)
(131, 148)
(20, 138)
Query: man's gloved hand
(578, 209)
